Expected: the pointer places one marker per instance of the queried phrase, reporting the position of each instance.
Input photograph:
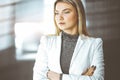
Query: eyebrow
(64, 9)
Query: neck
(71, 32)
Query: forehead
(63, 5)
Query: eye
(56, 13)
(66, 12)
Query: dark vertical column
(104, 21)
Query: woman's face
(65, 16)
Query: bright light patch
(27, 36)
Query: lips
(61, 23)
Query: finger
(47, 74)
(85, 72)
(90, 70)
(90, 74)
(94, 67)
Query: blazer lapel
(59, 41)
(77, 49)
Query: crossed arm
(41, 69)
(55, 76)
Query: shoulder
(93, 43)
(48, 38)
(49, 41)
(93, 40)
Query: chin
(63, 28)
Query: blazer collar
(77, 49)
(79, 44)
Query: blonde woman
(71, 54)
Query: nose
(60, 17)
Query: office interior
(23, 22)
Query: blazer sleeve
(40, 67)
(97, 61)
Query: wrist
(60, 78)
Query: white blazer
(88, 51)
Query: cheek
(56, 20)
(72, 18)
(68, 17)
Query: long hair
(77, 4)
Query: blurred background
(23, 22)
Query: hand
(53, 75)
(89, 71)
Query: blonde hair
(77, 4)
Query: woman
(70, 54)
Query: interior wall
(104, 21)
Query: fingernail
(95, 67)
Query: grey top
(67, 49)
